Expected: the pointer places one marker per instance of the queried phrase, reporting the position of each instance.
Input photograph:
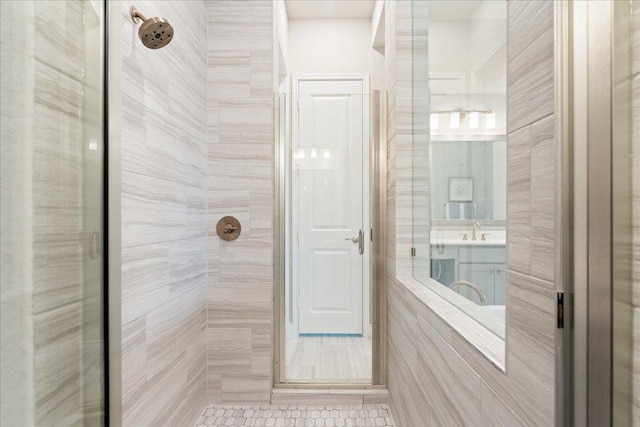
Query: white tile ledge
(320, 390)
(483, 340)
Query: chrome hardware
(359, 239)
(476, 226)
(228, 228)
(484, 236)
(464, 236)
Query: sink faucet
(476, 227)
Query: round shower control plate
(228, 228)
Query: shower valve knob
(228, 228)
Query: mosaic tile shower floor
(297, 416)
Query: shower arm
(136, 16)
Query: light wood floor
(325, 359)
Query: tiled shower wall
(240, 146)
(435, 375)
(164, 205)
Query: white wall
(330, 46)
(281, 21)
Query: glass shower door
(52, 150)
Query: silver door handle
(354, 239)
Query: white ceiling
(329, 9)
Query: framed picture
(460, 189)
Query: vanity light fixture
(434, 122)
(458, 115)
(474, 120)
(454, 120)
(491, 121)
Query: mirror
(468, 180)
(461, 253)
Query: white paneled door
(328, 171)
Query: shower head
(154, 32)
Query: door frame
(373, 311)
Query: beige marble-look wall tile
(240, 26)
(245, 261)
(543, 199)
(157, 211)
(229, 351)
(241, 166)
(229, 74)
(262, 208)
(530, 67)
(145, 280)
(452, 386)
(410, 405)
(531, 342)
(187, 266)
(57, 343)
(376, 399)
(134, 358)
(519, 200)
(164, 220)
(311, 399)
(245, 305)
(246, 389)
(495, 412)
(240, 183)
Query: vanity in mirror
(468, 211)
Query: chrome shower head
(154, 32)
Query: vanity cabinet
(483, 266)
(489, 277)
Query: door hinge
(560, 307)
(413, 251)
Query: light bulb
(434, 121)
(301, 153)
(327, 153)
(474, 120)
(314, 153)
(454, 120)
(491, 121)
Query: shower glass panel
(459, 154)
(51, 291)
